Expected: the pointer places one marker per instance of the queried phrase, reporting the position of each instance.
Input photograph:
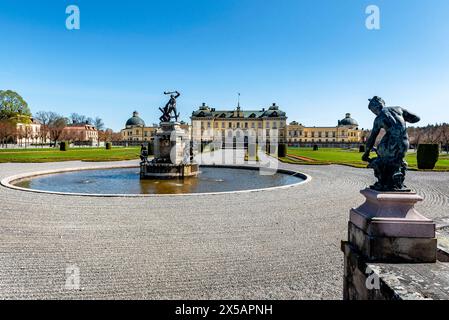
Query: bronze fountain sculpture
(170, 112)
(171, 148)
(389, 165)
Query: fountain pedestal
(171, 155)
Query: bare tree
(46, 118)
(430, 134)
(56, 128)
(7, 132)
(28, 132)
(98, 123)
(444, 136)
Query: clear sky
(316, 59)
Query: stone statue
(170, 112)
(389, 165)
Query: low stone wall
(365, 280)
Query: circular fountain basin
(127, 182)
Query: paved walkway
(279, 244)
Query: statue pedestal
(385, 231)
(170, 143)
(171, 155)
(387, 228)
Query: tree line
(430, 134)
(14, 110)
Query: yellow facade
(347, 131)
(209, 124)
(138, 133)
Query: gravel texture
(276, 244)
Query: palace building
(135, 129)
(30, 133)
(209, 124)
(346, 131)
(81, 132)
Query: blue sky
(315, 58)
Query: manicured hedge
(362, 148)
(282, 150)
(427, 156)
(315, 147)
(151, 148)
(108, 145)
(63, 145)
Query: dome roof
(135, 120)
(273, 111)
(203, 111)
(348, 121)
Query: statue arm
(177, 94)
(410, 117)
(371, 140)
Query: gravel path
(278, 244)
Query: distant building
(136, 130)
(346, 131)
(82, 132)
(209, 124)
(30, 133)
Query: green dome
(135, 120)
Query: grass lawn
(350, 157)
(82, 154)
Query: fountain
(166, 174)
(172, 150)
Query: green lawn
(82, 154)
(350, 157)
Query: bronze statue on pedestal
(389, 166)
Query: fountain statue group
(389, 166)
(170, 112)
(172, 154)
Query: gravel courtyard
(276, 244)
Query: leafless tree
(56, 128)
(7, 132)
(444, 136)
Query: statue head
(376, 104)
